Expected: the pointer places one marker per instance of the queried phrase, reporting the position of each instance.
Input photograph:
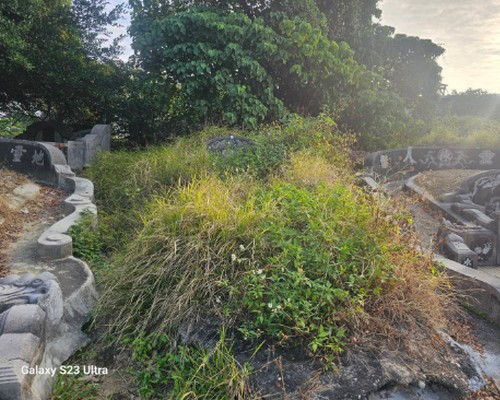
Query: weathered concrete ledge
(427, 198)
(482, 289)
(41, 315)
(54, 243)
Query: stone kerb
(482, 289)
(41, 315)
(412, 160)
(43, 162)
(54, 243)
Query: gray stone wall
(411, 160)
(41, 314)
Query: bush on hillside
(277, 245)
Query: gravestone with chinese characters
(43, 162)
(411, 160)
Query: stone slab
(482, 289)
(411, 160)
(456, 249)
(26, 318)
(19, 346)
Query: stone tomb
(79, 148)
(42, 312)
(477, 207)
(224, 145)
(40, 161)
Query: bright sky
(469, 30)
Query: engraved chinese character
(37, 158)
(384, 161)
(18, 152)
(467, 262)
(486, 157)
(409, 156)
(445, 156)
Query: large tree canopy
(231, 67)
(52, 59)
(242, 62)
(238, 62)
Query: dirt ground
(439, 183)
(14, 220)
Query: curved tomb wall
(41, 314)
(412, 160)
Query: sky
(469, 30)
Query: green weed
(311, 256)
(75, 387)
(188, 372)
(87, 243)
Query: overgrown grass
(75, 387)
(276, 244)
(188, 372)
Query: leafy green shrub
(312, 251)
(187, 372)
(87, 243)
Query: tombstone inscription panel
(31, 158)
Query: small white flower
(259, 271)
(270, 305)
(242, 248)
(233, 257)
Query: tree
(472, 102)
(407, 63)
(93, 21)
(240, 70)
(52, 64)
